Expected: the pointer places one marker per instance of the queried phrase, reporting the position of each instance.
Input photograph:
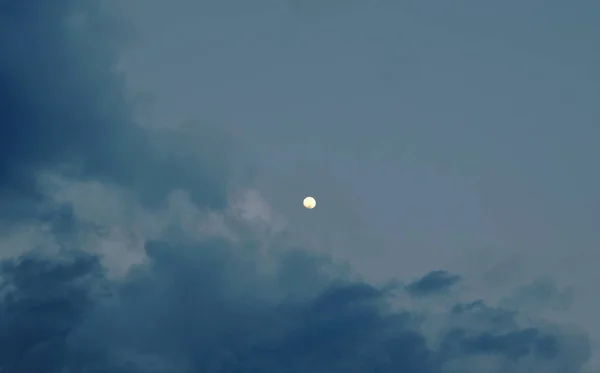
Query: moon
(309, 203)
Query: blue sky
(154, 157)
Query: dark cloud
(43, 303)
(194, 312)
(63, 104)
(433, 283)
(192, 307)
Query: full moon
(309, 203)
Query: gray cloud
(196, 302)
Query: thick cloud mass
(190, 313)
(203, 292)
(63, 105)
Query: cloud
(432, 283)
(204, 309)
(43, 302)
(65, 108)
(128, 250)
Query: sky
(154, 157)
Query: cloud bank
(124, 249)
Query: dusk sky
(154, 156)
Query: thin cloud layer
(205, 289)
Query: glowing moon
(309, 203)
